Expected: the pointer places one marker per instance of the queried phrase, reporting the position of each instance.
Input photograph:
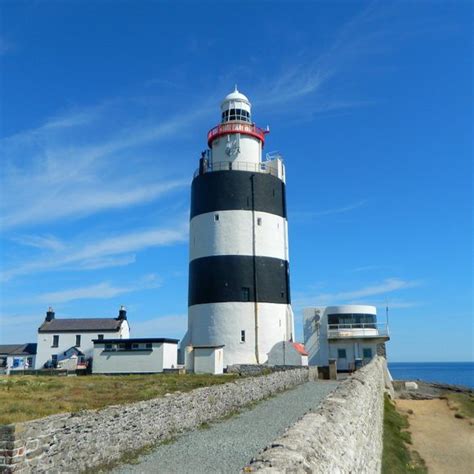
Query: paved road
(227, 446)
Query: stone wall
(75, 442)
(343, 435)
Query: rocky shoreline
(406, 390)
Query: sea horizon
(453, 373)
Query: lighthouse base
(248, 331)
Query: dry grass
(462, 404)
(28, 397)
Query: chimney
(49, 314)
(122, 313)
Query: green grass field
(397, 457)
(27, 397)
(461, 403)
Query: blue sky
(105, 110)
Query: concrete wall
(343, 435)
(84, 440)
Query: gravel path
(229, 445)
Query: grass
(27, 397)
(462, 404)
(397, 457)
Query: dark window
(135, 346)
(29, 361)
(242, 336)
(259, 221)
(216, 217)
(55, 341)
(341, 353)
(245, 293)
(108, 347)
(367, 353)
(149, 345)
(78, 341)
(54, 359)
(100, 337)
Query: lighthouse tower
(239, 290)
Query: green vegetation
(461, 403)
(26, 397)
(397, 457)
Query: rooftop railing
(338, 331)
(236, 127)
(269, 167)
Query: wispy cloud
(52, 172)
(173, 325)
(113, 250)
(298, 215)
(48, 241)
(101, 290)
(389, 285)
(309, 74)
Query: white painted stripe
(222, 323)
(230, 233)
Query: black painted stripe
(237, 190)
(222, 278)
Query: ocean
(455, 373)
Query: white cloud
(102, 290)
(388, 285)
(174, 326)
(49, 242)
(99, 252)
(327, 212)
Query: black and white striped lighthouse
(239, 289)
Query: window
(341, 353)
(109, 347)
(135, 346)
(367, 353)
(55, 341)
(121, 347)
(259, 221)
(242, 336)
(245, 293)
(216, 217)
(149, 345)
(100, 337)
(54, 359)
(78, 340)
(29, 361)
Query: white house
(288, 353)
(349, 334)
(144, 355)
(17, 357)
(56, 337)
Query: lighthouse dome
(236, 106)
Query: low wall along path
(343, 435)
(62, 443)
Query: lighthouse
(239, 287)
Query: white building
(17, 357)
(207, 359)
(139, 356)
(239, 290)
(56, 337)
(350, 334)
(288, 353)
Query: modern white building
(239, 289)
(57, 337)
(349, 334)
(134, 356)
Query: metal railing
(263, 167)
(358, 330)
(236, 127)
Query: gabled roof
(81, 325)
(300, 348)
(75, 350)
(18, 349)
